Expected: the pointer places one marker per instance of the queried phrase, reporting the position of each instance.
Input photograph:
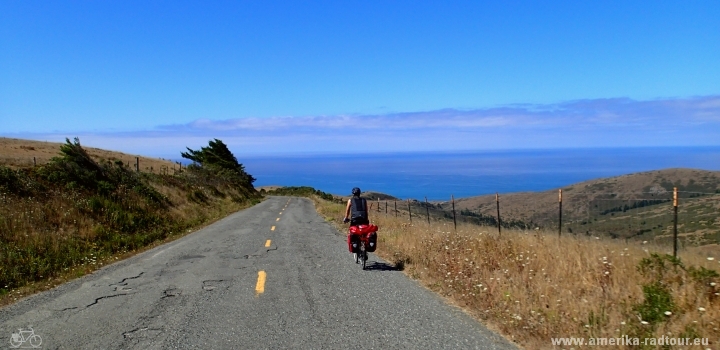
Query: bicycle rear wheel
(363, 254)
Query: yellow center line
(267, 244)
(260, 286)
(272, 228)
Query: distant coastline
(438, 175)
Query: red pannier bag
(372, 242)
(353, 243)
(369, 231)
(359, 229)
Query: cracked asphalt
(200, 292)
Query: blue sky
(278, 77)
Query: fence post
(409, 211)
(497, 201)
(427, 210)
(378, 204)
(560, 213)
(675, 220)
(385, 207)
(34, 162)
(137, 164)
(452, 197)
(396, 212)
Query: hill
(630, 206)
(81, 208)
(19, 153)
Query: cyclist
(359, 209)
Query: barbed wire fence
(677, 218)
(669, 218)
(136, 164)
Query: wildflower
(712, 284)
(710, 258)
(668, 313)
(622, 323)
(644, 322)
(701, 309)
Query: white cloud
(582, 123)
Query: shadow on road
(378, 266)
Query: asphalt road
(271, 276)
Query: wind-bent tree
(217, 157)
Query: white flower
(643, 322)
(701, 309)
(711, 258)
(712, 284)
(668, 313)
(622, 323)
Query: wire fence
(670, 218)
(160, 166)
(657, 215)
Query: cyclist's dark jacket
(358, 211)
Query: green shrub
(658, 300)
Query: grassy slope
(54, 230)
(532, 285)
(597, 207)
(19, 153)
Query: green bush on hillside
(300, 191)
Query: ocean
(439, 175)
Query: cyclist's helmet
(356, 191)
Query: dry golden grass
(532, 286)
(18, 153)
(33, 217)
(53, 235)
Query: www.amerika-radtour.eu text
(626, 340)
